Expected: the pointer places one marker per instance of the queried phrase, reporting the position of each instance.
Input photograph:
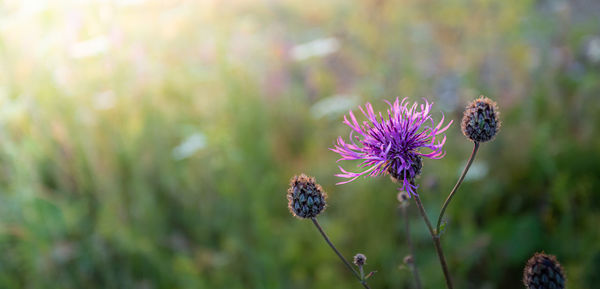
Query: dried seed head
(480, 121)
(543, 272)
(306, 198)
(359, 259)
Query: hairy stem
(413, 266)
(460, 180)
(436, 242)
(356, 274)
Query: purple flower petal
(392, 145)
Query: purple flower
(392, 145)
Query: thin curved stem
(424, 214)
(458, 183)
(356, 274)
(440, 253)
(413, 267)
(436, 242)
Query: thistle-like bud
(306, 198)
(543, 272)
(480, 121)
(412, 173)
(359, 260)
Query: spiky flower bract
(306, 198)
(480, 121)
(543, 272)
(392, 145)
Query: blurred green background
(149, 144)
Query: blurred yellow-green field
(149, 144)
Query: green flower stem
(362, 272)
(435, 233)
(356, 274)
(436, 242)
(413, 267)
(458, 183)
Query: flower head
(403, 196)
(306, 198)
(392, 145)
(359, 259)
(480, 122)
(543, 271)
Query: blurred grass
(149, 145)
